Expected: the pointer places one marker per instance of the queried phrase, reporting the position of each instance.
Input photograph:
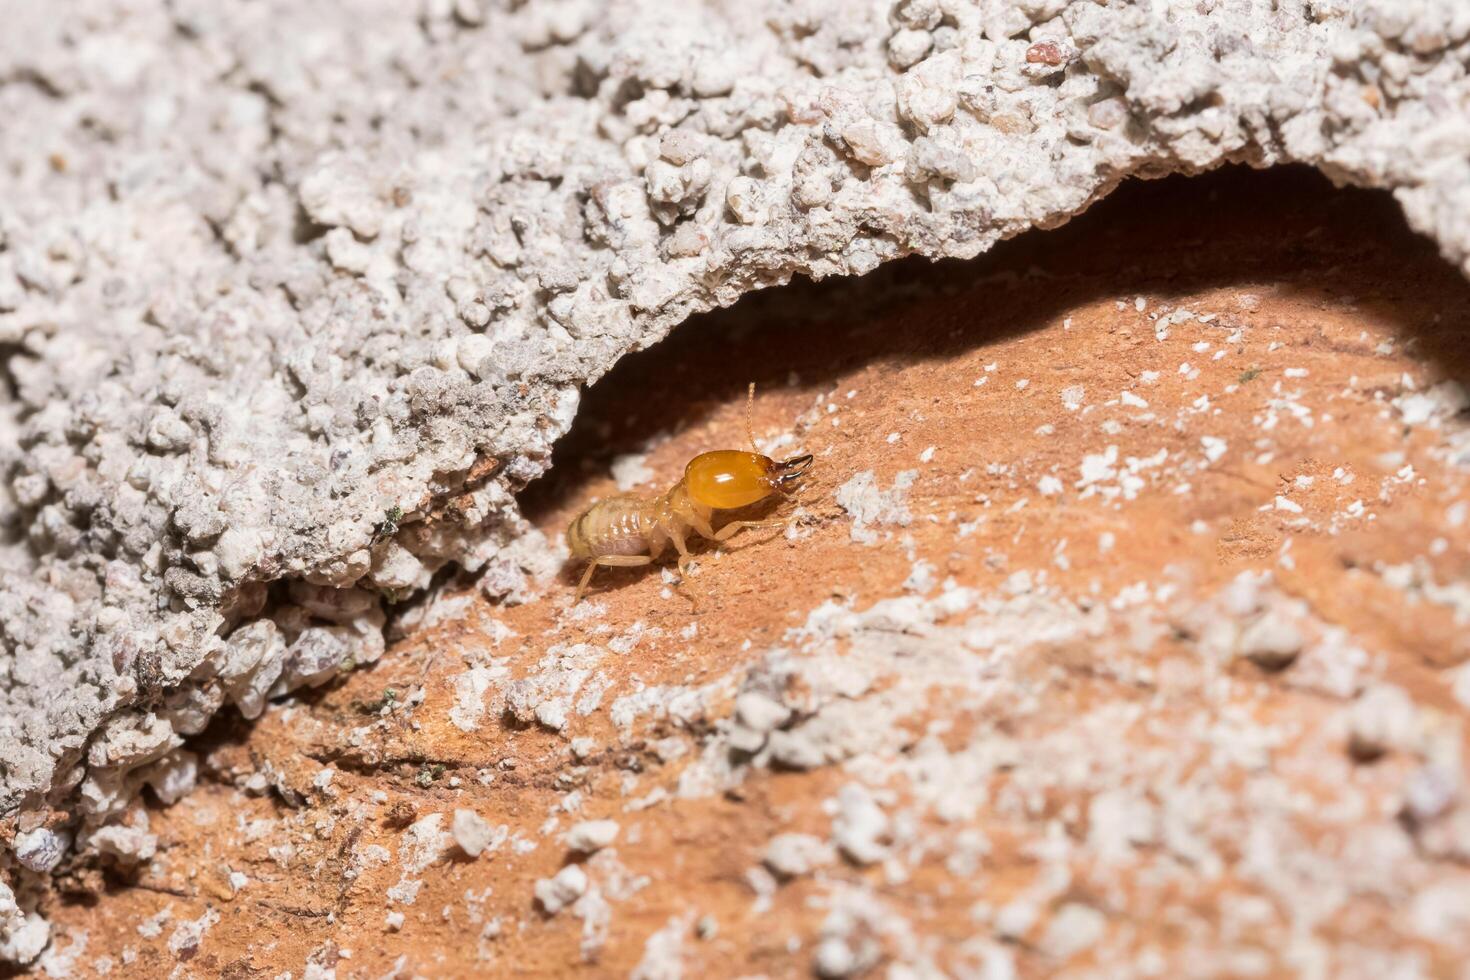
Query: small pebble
(590, 836)
(562, 889)
(471, 832)
(1383, 719)
(1272, 642)
(793, 855)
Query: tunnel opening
(1235, 226)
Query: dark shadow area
(1236, 227)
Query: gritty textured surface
(1149, 657)
(289, 308)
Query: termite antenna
(749, 409)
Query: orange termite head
(731, 478)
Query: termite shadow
(1286, 228)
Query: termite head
(731, 478)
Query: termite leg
(730, 530)
(676, 536)
(700, 525)
(614, 561)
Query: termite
(628, 530)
